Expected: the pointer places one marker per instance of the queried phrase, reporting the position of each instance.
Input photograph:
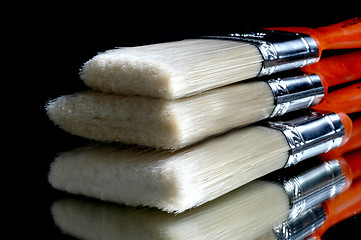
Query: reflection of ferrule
(280, 50)
(310, 135)
(294, 93)
(314, 186)
(301, 226)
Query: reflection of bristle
(243, 214)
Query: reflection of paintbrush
(323, 216)
(174, 124)
(324, 181)
(177, 69)
(238, 214)
(242, 214)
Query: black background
(47, 45)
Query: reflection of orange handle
(343, 206)
(354, 161)
(346, 100)
(337, 69)
(346, 34)
(351, 167)
(353, 143)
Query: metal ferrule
(294, 93)
(280, 50)
(310, 135)
(302, 226)
(314, 187)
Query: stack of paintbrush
(181, 108)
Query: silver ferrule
(280, 50)
(302, 226)
(294, 93)
(314, 186)
(310, 135)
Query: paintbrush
(173, 124)
(243, 212)
(323, 216)
(177, 181)
(183, 68)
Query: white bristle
(166, 124)
(172, 70)
(244, 214)
(172, 181)
(269, 235)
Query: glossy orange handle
(343, 206)
(337, 69)
(346, 34)
(347, 124)
(346, 100)
(342, 101)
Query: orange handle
(347, 124)
(346, 100)
(353, 143)
(343, 206)
(346, 34)
(342, 101)
(337, 69)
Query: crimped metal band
(310, 135)
(280, 50)
(294, 93)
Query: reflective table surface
(59, 39)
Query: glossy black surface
(54, 40)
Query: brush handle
(353, 143)
(343, 206)
(337, 69)
(346, 34)
(347, 124)
(346, 100)
(342, 101)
